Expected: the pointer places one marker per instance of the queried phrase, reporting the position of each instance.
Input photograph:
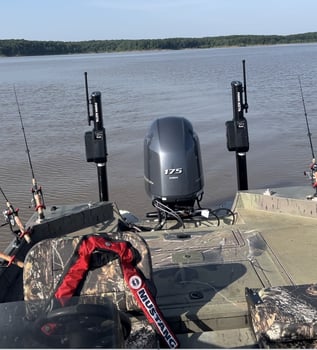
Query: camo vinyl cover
(45, 263)
(284, 317)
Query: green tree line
(21, 47)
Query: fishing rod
(306, 118)
(38, 200)
(11, 215)
(313, 165)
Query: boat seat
(284, 317)
(47, 261)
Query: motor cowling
(172, 162)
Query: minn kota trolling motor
(95, 141)
(237, 130)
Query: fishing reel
(12, 218)
(312, 175)
(9, 217)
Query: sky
(77, 20)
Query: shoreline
(23, 47)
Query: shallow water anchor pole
(95, 141)
(237, 131)
(242, 172)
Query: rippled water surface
(136, 89)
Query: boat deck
(201, 273)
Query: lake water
(136, 89)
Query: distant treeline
(21, 47)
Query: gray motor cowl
(172, 162)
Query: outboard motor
(172, 163)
